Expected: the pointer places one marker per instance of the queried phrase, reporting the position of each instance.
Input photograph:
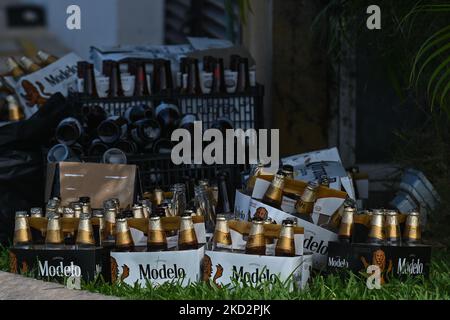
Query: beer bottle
(324, 181)
(85, 71)
(156, 240)
(208, 62)
(77, 209)
(85, 233)
(392, 228)
(14, 68)
(69, 236)
(223, 204)
(346, 225)
(114, 156)
(274, 194)
(288, 171)
(110, 224)
(124, 240)
(285, 245)
(38, 236)
(168, 116)
(256, 243)
(138, 112)
(54, 235)
(256, 171)
(28, 65)
(14, 110)
(162, 76)
(36, 212)
(86, 205)
(140, 78)
(193, 80)
(187, 123)
(45, 58)
(187, 239)
(243, 78)
(93, 116)
(112, 129)
(376, 233)
(97, 148)
(145, 131)
(158, 196)
(68, 131)
(99, 230)
(222, 235)
(112, 71)
(218, 83)
(127, 146)
(22, 231)
(412, 234)
(305, 205)
(162, 146)
(138, 211)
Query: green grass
(321, 287)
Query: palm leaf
(435, 76)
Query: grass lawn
(320, 287)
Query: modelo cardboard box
(229, 267)
(316, 238)
(99, 181)
(394, 261)
(156, 268)
(64, 263)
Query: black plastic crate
(160, 171)
(243, 109)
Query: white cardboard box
(223, 268)
(157, 267)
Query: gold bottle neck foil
(138, 212)
(156, 233)
(123, 234)
(158, 195)
(54, 234)
(285, 244)
(309, 194)
(222, 232)
(85, 234)
(256, 237)
(187, 231)
(22, 232)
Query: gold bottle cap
(414, 213)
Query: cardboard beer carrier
(142, 267)
(234, 266)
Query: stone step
(16, 287)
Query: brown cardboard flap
(297, 187)
(98, 181)
(168, 223)
(270, 230)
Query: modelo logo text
(253, 277)
(62, 75)
(60, 270)
(314, 246)
(147, 272)
(337, 263)
(412, 267)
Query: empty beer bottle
(255, 172)
(411, 234)
(256, 243)
(285, 245)
(28, 65)
(112, 129)
(376, 233)
(69, 131)
(305, 205)
(22, 231)
(156, 240)
(187, 238)
(222, 235)
(111, 70)
(86, 72)
(14, 69)
(140, 78)
(14, 110)
(218, 84)
(85, 233)
(145, 131)
(223, 203)
(138, 112)
(168, 116)
(124, 240)
(45, 58)
(97, 148)
(274, 194)
(346, 225)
